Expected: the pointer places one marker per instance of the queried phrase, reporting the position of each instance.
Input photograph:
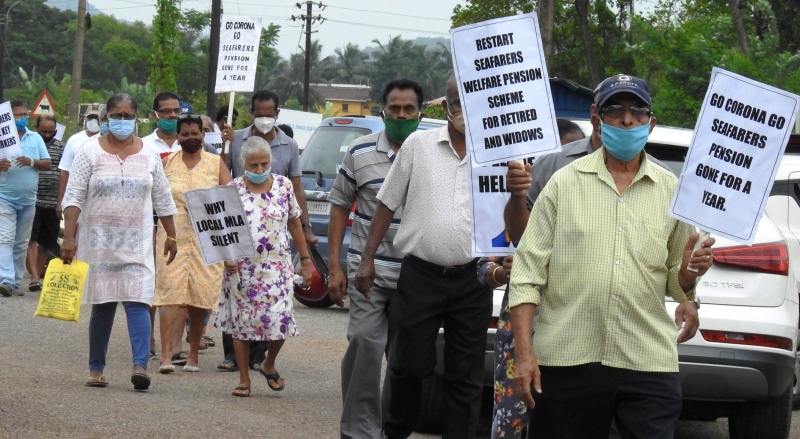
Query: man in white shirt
(438, 284)
(91, 125)
(164, 139)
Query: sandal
(179, 359)
(140, 381)
(97, 382)
(209, 341)
(274, 377)
(35, 286)
(239, 391)
(204, 344)
(228, 366)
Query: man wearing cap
(599, 256)
(91, 125)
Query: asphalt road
(44, 364)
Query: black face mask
(47, 140)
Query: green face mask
(168, 126)
(399, 129)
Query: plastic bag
(62, 290)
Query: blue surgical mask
(624, 144)
(22, 123)
(104, 128)
(257, 178)
(121, 129)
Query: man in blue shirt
(19, 181)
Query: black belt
(451, 271)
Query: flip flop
(166, 369)
(179, 359)
(209, 341)
(35, 286)
(228, 366)
(140, 381)
(188, 368)
(274, 377)
(241, 389)
(97, 382)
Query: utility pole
(3, 24)
(213, 54)
(309, 19)
(77, 63)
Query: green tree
(167, 38)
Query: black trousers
(257, 350)
(579, 402)
(426, 299)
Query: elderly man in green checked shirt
(598, 257)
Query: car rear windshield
(325, 149)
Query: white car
(743, 362)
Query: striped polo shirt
(361, 176)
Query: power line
(375, 26)
(390, 13)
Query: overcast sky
(347, 21)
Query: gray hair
(208, 120)
(252, 145)
(122, 98)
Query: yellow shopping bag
(62, 290)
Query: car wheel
(770, 419)
(430, 408)
(796, 388)
(325, 302)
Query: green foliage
(402, 58)
(167, 39)
(292, 104)
(480, 10)
(435, 112)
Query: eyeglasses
(617, 111)
(20, 114)
(410, 110)
(121, 116)
(190, 116)
(168, 111)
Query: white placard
(239, 39)
(219, 223)
(504, 89)
(303, 124)
(9, 138)
(738, 143)
(214, 139)
(60, 131)
(488, 198)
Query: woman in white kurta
(114, 185)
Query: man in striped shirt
(361, 176)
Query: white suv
(742, 363)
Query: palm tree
(350, 59)
(287, 81)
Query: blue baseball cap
(185, 108)
(622, 84)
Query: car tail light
(352, 215)
(770, 258)
(342, 121)
(767, 341)
(493, 322)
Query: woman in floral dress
(256, 303)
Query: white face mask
(92, 125)
(264, 124)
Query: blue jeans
(100, 324)
(15, 232)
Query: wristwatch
(696, 301)
(307, 225)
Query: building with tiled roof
(347, 99)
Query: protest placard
(302, 123)
(9, 138)
(60, 131)
(219, 223)
(504, 89)
(215, 140)
(738, 143)
(488, 198)
(238, 53)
